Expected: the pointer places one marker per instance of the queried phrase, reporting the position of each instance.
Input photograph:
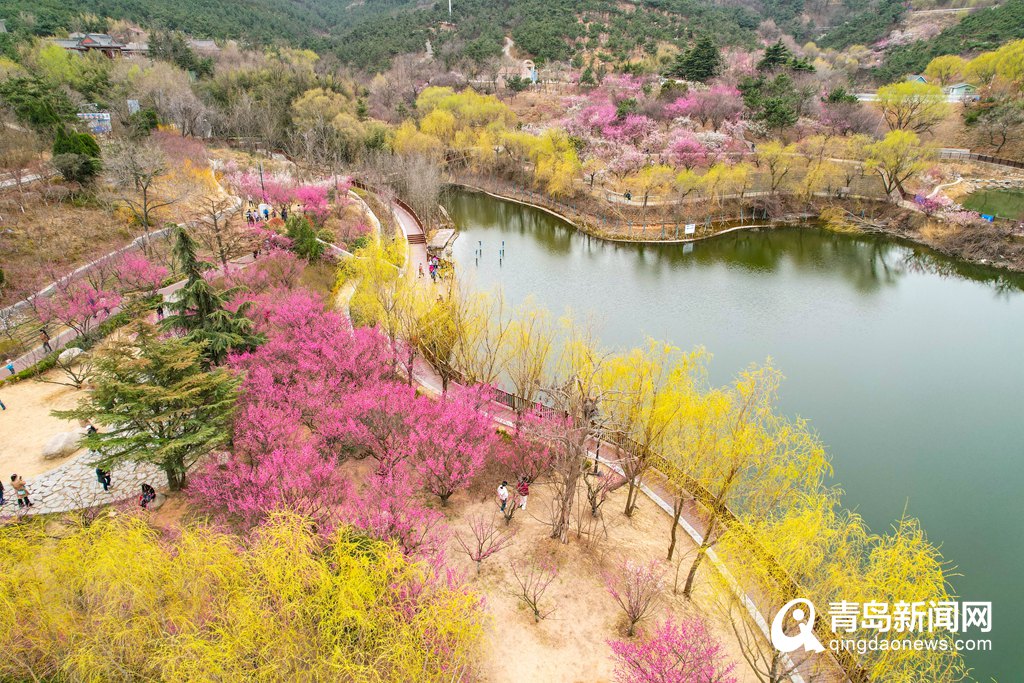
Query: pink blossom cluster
(137, 274)
(79, 305)
(318, 393)
(676, 651)
(313, 198)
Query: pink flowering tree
(683, 651)
(636, 587)
(79, 306)
(711, 107)
(298, 479)
(632, 128)
(686, 150)
(626, 162)
(135, 274)
(485, 538)
(523, 457)
(313, 199)
(452, 441)
(389, 510)
(382, 420)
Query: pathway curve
(74, 486)
(654, 486)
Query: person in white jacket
(503, 495)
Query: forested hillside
(983, 30)
(367, 35)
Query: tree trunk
(631, 495)
(701, 552)
(688, 588)
(175, 478)
(677, 512)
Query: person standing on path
(21, 491)
(503, 495)
(160, 312)
(10, 366)
(45, 336)
(523, 489)
(103, 477)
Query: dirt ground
(572, 643)
(27, 424)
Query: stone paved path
(73, 485)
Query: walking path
(73, 486)
(654, 486)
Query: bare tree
(636, 587)
(76, 369)
(570, 426)
(18, 149)
(136, 169)
(532, 580)
(487, 538)
(225, 237)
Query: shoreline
(1003, 268)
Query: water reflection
(867, 263)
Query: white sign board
(691, 229)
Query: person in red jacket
(523, 489)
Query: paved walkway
(74, 486)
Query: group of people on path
(262, 213)
(20, 491)
(522, 493)
(434, 264)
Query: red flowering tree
(523, 457)
(683, 652)
(135, 274)
(389, 510)
(636, 587)
(452, 441)
(78, 305)
(296, 478)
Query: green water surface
(910, 367)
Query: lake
(910, 366)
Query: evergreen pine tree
(700, 63)
(199, 309)
(155, 402)
(775, 56)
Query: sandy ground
(27, 424)
(571, 644)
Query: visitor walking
(44, 335)
(10, 366)
(284, 213)
(160, 312)
(523, 489)
(21, 491)
(421, 271)
(148, 494)
(503, 495)
(2, 406)
(103, 477)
